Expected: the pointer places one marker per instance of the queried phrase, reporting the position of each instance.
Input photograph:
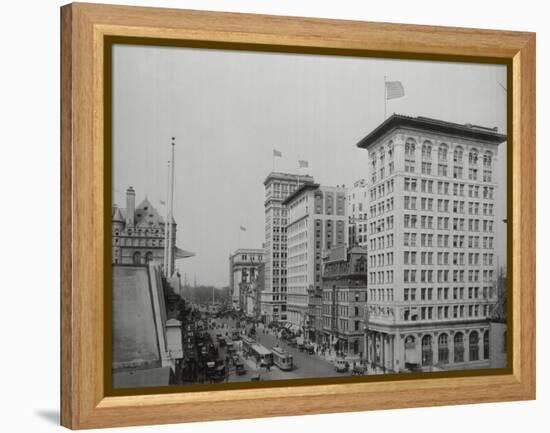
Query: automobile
(310, 349)
(341, 366)
(301, 347)
(239, 368)
(359, 370)
(236, 359)
(293, 343)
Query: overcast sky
(228, 110)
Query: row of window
(444, 293)
(443, 188)
(410, 221)
(427, 258)
(444, 276)
(459, 241)
(446, 312)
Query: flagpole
(170, 234)
(166, 225)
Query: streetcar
(263, 355)
(282, 359)
(247, 344)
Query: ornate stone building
(431, 241)
(244, 266)
(138, 233)
(345, 278)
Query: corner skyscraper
(278, 186)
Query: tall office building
(278, 186)
(357, 204)
(431, 243)
(316, 222)
(244, 267)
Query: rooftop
(303, 188)
(248, 251)
(467, 130)
(274, 175)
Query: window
(458, 155)
(486, 345)
(136, 258)
(442, 152)
(472, 157)
(426, 168)
(443, 348)
(410, 149)
(427, 354)
(459, 346)
(487, 159)
(474, 346)
(427, 150)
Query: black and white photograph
(280, 216)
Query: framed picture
(267, 216)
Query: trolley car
(282, 359)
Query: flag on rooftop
(162, 202)
(243, 229)
(277, 153)
(303, 164)
(394, 89)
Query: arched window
(474, 346)
(458, 155)
(410, 148)
(361, 265)
(137, 258)
(443, 348)
(472, 157)
(486, 345)
(487, 159)
(427, 354)
(442, 152)
(390, 150)
(427, 150)
(382, 155)
(459, 347)
(148, 257)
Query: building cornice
(396, 121)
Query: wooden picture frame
(84, 29)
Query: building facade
(316, 222)
(243, 272)
(431, 237)
(278, 186)
(344, 300)
(251, 293)
(357, 203)
(138, 233)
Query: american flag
(277, 153)
(243, 229)
(394, 89)
(303, 164)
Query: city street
(305, 365)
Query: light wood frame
(83, 400)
